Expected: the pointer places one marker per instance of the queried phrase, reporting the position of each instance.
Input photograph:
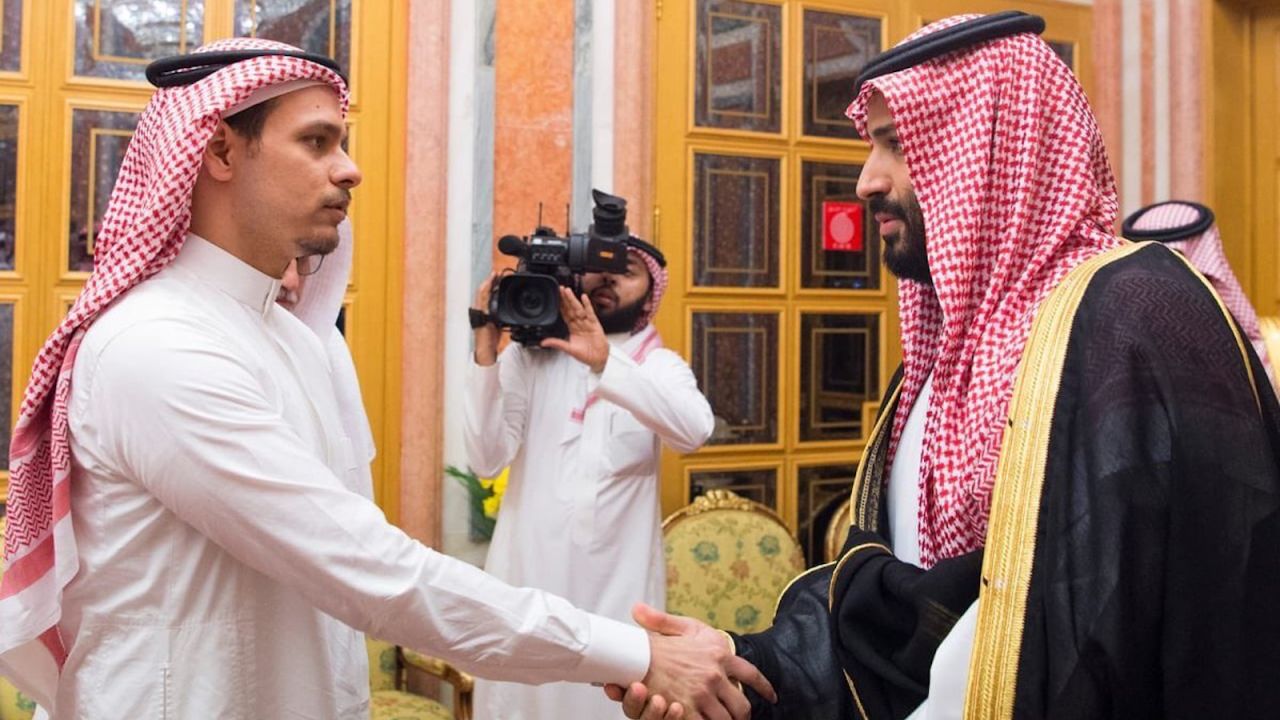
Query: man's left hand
(587, 343)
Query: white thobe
(228, 561)
(949, 672)
(580, 517)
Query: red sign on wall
(842, 226)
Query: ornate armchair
(838, 529)
(728, 560)
(389, 695)
(1270, 327)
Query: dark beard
(318, 245)
(622, 318)
(904, 252)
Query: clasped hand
(693, 673)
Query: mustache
(883, 204)
(340, 198)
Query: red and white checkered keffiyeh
(658, 280)
(142, 231)
(1204, 251)
(1008, 165)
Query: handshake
(693, 673)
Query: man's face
(619, 299)
(291, 286)
(294, 183)
(885, 183)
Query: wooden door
(778, 299)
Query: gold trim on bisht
(860, 494)
(1015, 500)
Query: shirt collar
(228, 273)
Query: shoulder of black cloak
(1157, 555)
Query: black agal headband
(957, 37)
(648, 249)
(187, 69)
(1203, 221)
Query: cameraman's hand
(587, 343)
(486, 336)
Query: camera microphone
(512, 245)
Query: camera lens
(531, 302)
(528, 300)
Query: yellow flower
(500, 482)
(498, 485)
(491, 506)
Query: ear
(222, 152)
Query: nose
(346, 174)
(874, 178)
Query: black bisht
(1155, 585)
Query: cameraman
(578, 421)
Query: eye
(315, 142)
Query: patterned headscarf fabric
(1204, 251)
(658, 280)
(1008, 165)
(143, 229)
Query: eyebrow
(323, 126)
(884, 131)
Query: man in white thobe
(222, 562)
(580, 424)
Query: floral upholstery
(401, 705)
(728, 560)
(383, 666)
(388, 698)
(13, 704)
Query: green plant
(485, 496)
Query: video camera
(527, 301)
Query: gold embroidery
(1015, 502)
(860, 493)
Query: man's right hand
(486, 335)
(693, 665)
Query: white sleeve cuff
(616, 653)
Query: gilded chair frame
(838, 529)
(462, 683)
(1270, 327)
(721, 499)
